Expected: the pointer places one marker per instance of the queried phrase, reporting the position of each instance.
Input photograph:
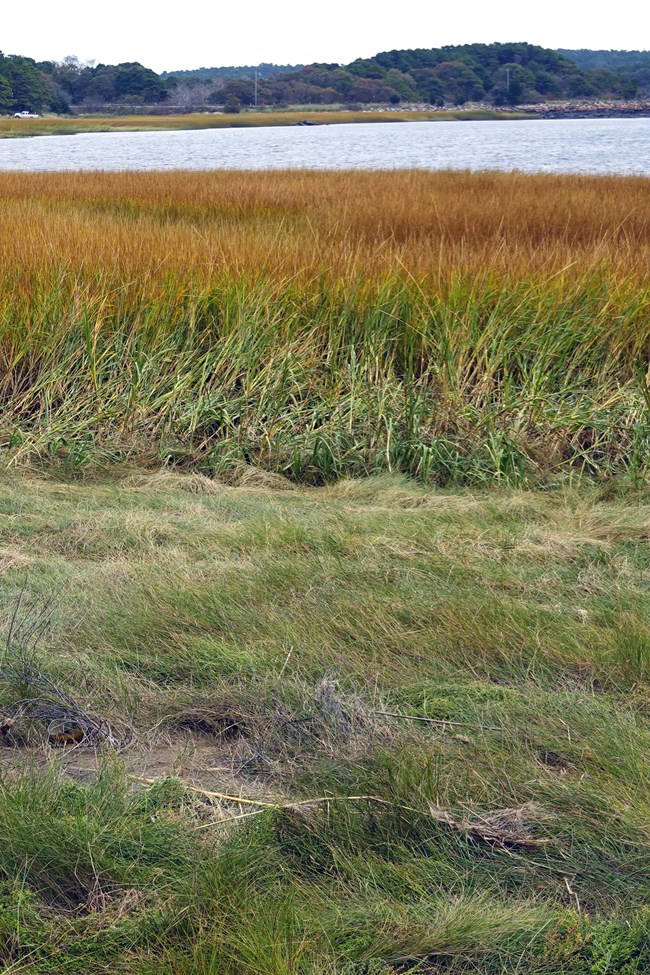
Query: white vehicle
(24, 115)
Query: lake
(561, 146)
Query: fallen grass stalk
(263, 332)
(439, 721)
(294, 804)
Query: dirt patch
(555, 763)
(223, 722)
(196, 760)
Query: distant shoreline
(61, 125)
(598, 113)
(587, 110)
(11, 128)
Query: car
(24, 115)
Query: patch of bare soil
(200, 762)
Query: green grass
(256, 634)
(523, 384)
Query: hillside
(374, 729)
(322, 325)
(49, 86)
(264, 70)
(610, 60)
(501, 74)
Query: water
(560, 146)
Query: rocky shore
(588, 109)
(565, 109)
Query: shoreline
(587, 110)
(599, 113)
(11, 128)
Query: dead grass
(325, 224)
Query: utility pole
(255, 87)
(507, 81)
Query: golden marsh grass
(453, 325)
(51, 125)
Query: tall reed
(459, 327)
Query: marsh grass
(460, 328)
(19, 128)
(459, 657)
(276, 628)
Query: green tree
(429, 86)
(371, 90)
(132, 78)
(27, 82)
(101, 85)
(242, 89)
(580, 85)
(460, 82)
(403, 84)
(548, 84)
(232, 106)
(6, 95)
(366, 68)
(513, 84)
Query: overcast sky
(197, 33)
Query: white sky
(166, 35)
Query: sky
(166, 35)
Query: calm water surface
(564, 146)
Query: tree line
(502, 74)
(52, 86)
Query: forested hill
(50, 86)
(502, 74)
(264, 70)
(611, 60)
(499, 73)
